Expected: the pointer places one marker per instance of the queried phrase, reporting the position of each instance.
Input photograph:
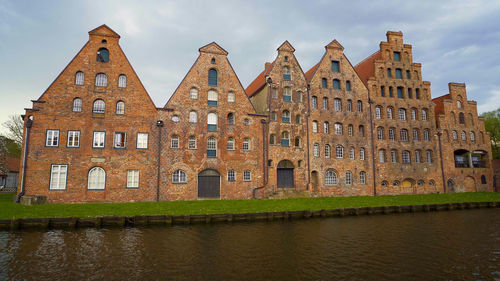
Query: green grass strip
(10, 210)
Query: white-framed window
(415, 134)
(361, 130)
(389, 113)
(213, 97)
(212, 122)
(101, 80)
(378, 115)
(193, 93)
(120, 140)
(192, 142)
(122, 81)
(337, 103)
(193, 117)
(339, 151)
(52, 138)
(96, 178)
(381, 156)
(406, 157)
(316, 150)
(402, 114)
(464, 136)
(350, 130)
(73, 139)
(230, 143)
(230, 97)
(349, 105)
(327, 151)
(426, 135)
(299, 96)
(120, 107)
(314, 102)
(454, 135)
(99, 106)
(142, 140)
(424, 115)
(79, 78)
(428, 155)
(315, 126)
(472, 136)
(175, 118)
(394, 156)
(287, 94)
(174, 141)
(362, 177)
(362, 154)
(360, 106)
(380, 133)
(212, 147)
(348, 178)
(99, 139)
(413, 114)
(246, 144)
(231, 176)
(247, 175)
(351, 153)
(403, 135)
(325, 103)
(326, 127)
(285, 116)
(392, 135)
(179, 176)
(77, 105)
(331, 177)
(417, 156)
(58, 176)
(338, 129)
(132, 178)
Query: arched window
(212, 61)
(348, 178)
(324, 83)
(394, 156)
(192, 142)
(347, 85)
(298, 119)
(297, 141)
(472, 136)
(416, 135)
(230, 143)
(179, 176)
(378, 115)
(285, 139)
(272, 139)
(392, 134)
(350, 130)
(417, 156)
(349, 105)
(99, 106)
(316, 150)
(427, 135)
(389, 113)
(314, 102)
(361, 130)
(287, 94)
(299, 96)
(211, 147)
(96, 178)
(337, 104)
(103, 55)
(464, 136)
(428, 156)
(285, 116)
(325, 103)
(174, 141)
(213, 97)
(362, 154)
(326, 127)
(212, 122)
(360, 106)
(339, 151)
(230, 118)
(336, 84)
(246, 144)
(122, 81)
(405, 158)
(331, 177)
(286, 74)
(193, 93)
(120, 107)
(381, 156)
(79, 78)
(403, 135)
(413, 114)
(231, 97)
(454, 135)
(402, 114)
(424, 114)
(315, 126)
(461, 118)
(338, 129)
(101, 80)
(77, 105)
(327, 151)
(212, 77)
(351, 153)
(459, 104)
(193, 116)
(362, 177)
(380, 133)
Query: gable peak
(213, 48)
(334, 45)
(287, 47)
(104, 30)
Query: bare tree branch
(15, 127)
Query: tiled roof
(260, 81)
(311, 71)
(439, 108)
(366, 68)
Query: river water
(455, 245)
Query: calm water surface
(457, 245)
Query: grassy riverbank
(10, 210)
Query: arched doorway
(451, 185)
(469, 184)
(409, 184)
(285, 174)
(314, 181)
(209, 184)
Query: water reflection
(443, 245)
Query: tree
(15, 128)
(492, 125)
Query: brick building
(336, 130)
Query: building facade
(337, 130)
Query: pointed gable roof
(334, 45)
(104, 30)
(260, 81)
(366, 68)
(286, 46)
(309, 74)
(213, 48)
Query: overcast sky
(456, 41)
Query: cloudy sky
(456, 41)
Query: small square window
(142, 140)
(52, 138)
(73, 139)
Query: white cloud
(491, 103)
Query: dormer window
(103, 55)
